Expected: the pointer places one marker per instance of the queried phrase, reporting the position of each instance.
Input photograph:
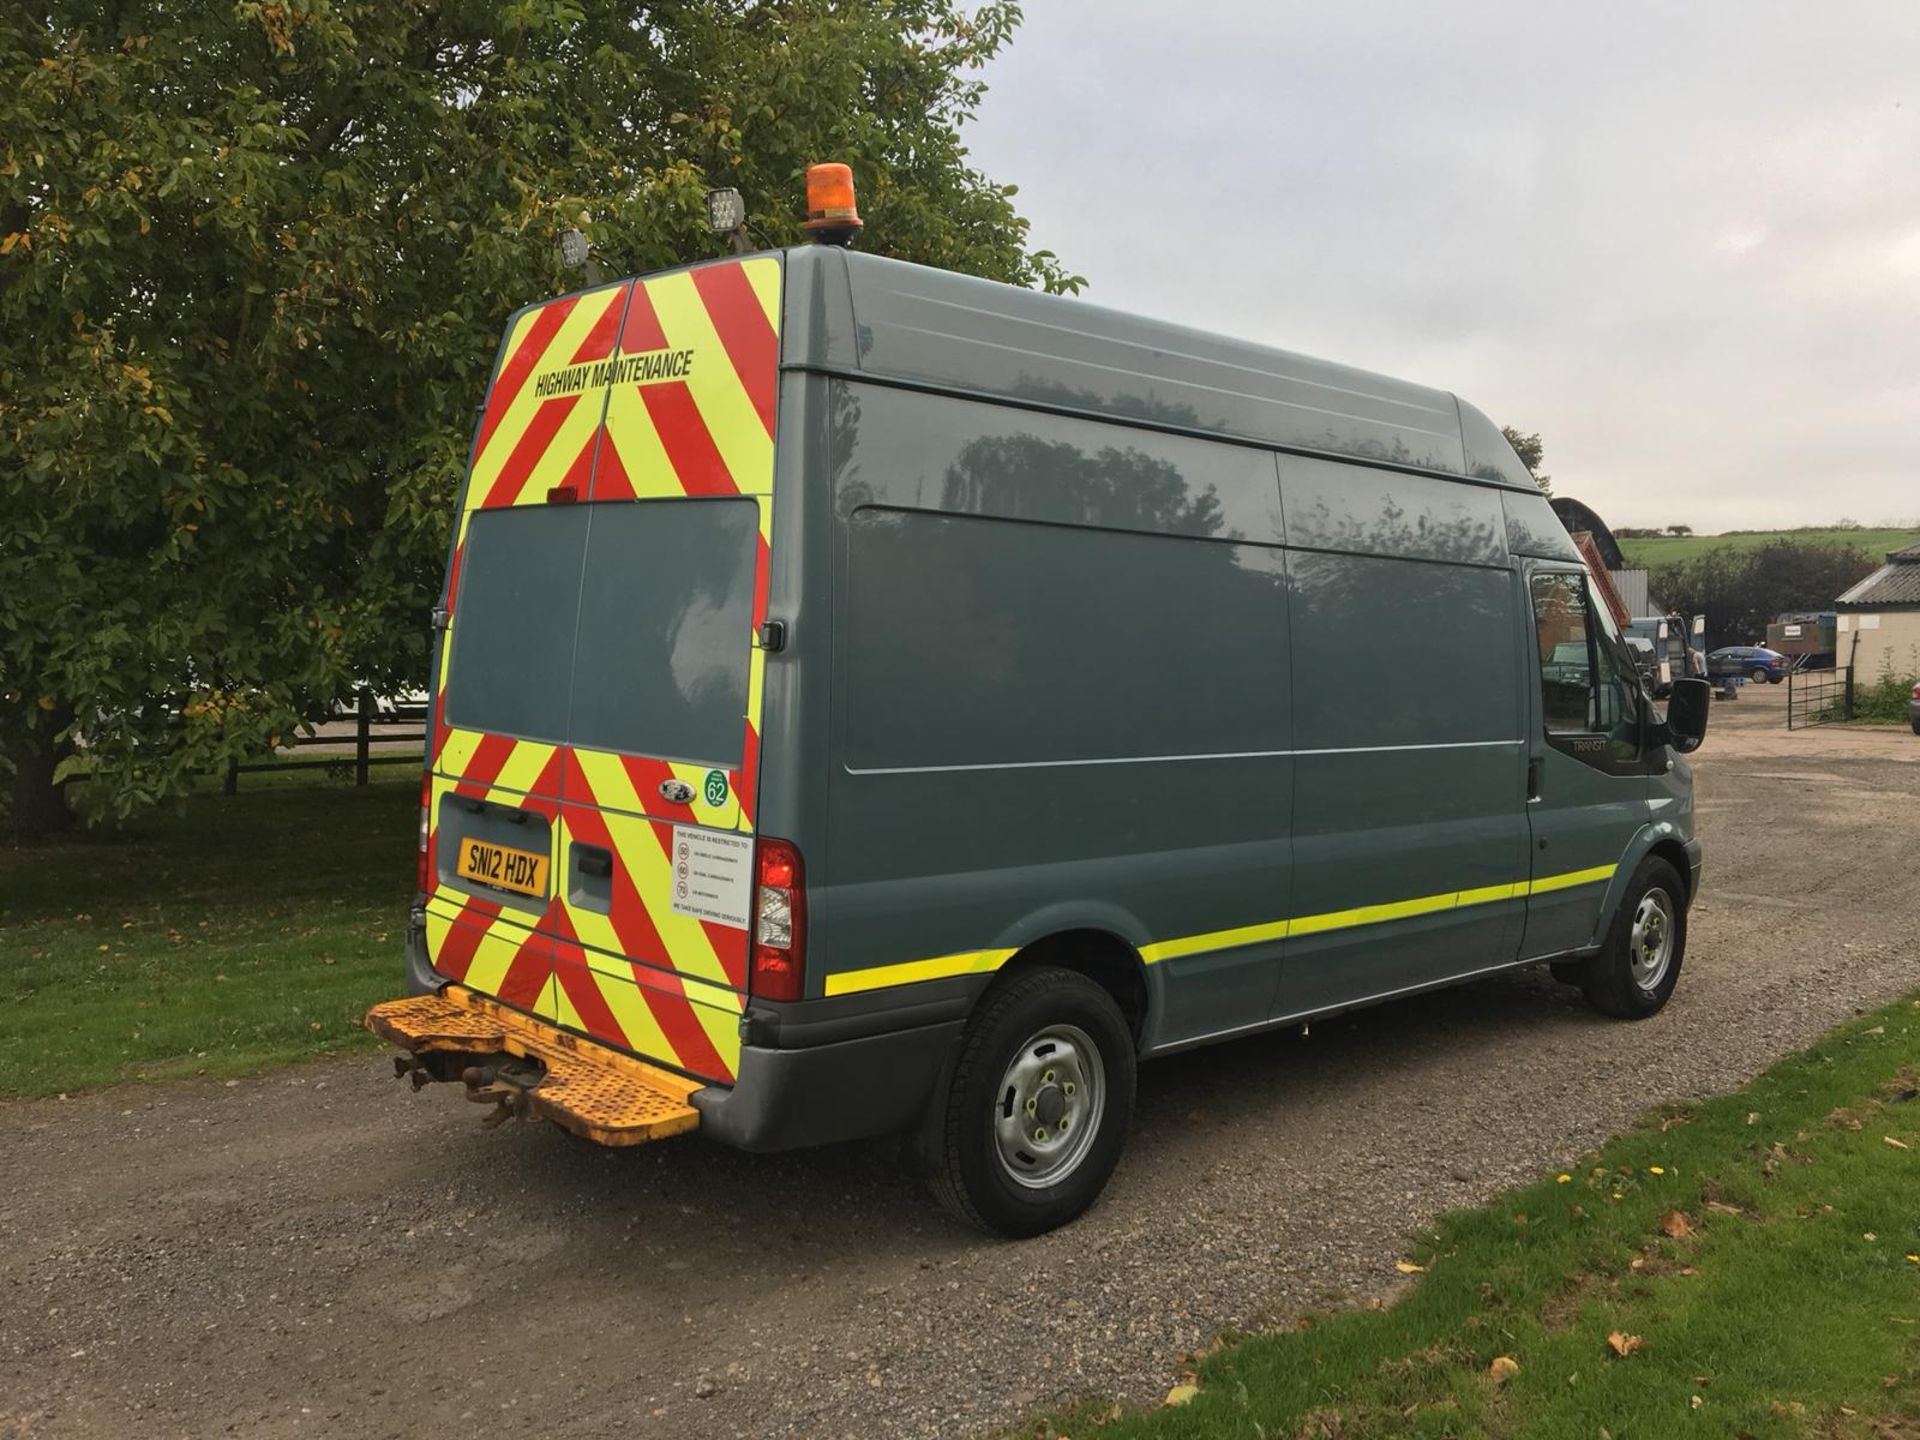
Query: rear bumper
(827, 1084)
(848, 1090)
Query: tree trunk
(39, 806)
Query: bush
(1885, 698)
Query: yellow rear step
(588, 1089)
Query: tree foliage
(1741, 591)
(1531, 451)
(254, 259)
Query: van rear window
(623, 626)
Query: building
(1877, 628)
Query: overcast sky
(1680, 241)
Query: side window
(1584, 687)
(1566, 660)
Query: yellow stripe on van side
(978, 962)
(941, 967)
(1215, 940)
(1571, 879)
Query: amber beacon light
(832, 216)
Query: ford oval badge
(677, 792)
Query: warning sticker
(712, 875)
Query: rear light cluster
(779, 922)
(423, 876)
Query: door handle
(1533, 778)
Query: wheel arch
(1111, 962)
(1669, 849)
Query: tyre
(1035, 1115)
(1634, 973)
(1916, 727)
(1761, 675)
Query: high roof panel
(920, 325)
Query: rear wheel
(1635, 971)
(1761, 674)
(1036, 1114)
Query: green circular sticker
(716, 788)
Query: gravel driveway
(320, 1252)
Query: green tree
(254, 260)
(1741, 591)
(1531, 451)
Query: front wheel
(1634, 973)
(1033, 1121)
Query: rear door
(655, 838)
(497, 745)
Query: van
(870, 699)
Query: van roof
(889, 320)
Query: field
(1750, 1266)
(1669, 549)
(225, 934)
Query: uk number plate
(503, 867)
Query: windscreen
(622, 627)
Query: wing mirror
(1686, 722)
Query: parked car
(1913, 710)
(1756, 662)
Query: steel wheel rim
(1048, 1108)
(1650, 944)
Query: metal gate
(1818, 697)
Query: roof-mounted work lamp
(727, 215)
(576, 252)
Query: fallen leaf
(1624, 1344)
(1181, 1394)
(1720, 1207)
(1656, 1170)
(1869, 1237)
(1563, 1179)
(1695, 1401)
(1897, 1144)
(1503, 1369)
(1407, 1267)
(1753, 1117)
(1675, 1226)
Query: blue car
(1756, 662)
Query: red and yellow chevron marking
(631, 784)
(704, 424)
(541, 424)
(643, 925)
(473, 944)
(633, 1012)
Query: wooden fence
(370, 728)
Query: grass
(229, 933)
(1669, 549)
(1757, 1256)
